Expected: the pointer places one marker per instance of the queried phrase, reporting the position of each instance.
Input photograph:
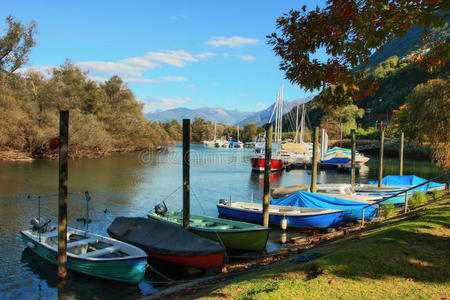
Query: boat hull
(326, 220)
(202, 262)
(258, 164)
(251, 239)
(129, 270)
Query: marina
(131, 185)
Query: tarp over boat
(159, 237)
(353, 209)
(407, 181)
(336, 160)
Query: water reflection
(127, 185)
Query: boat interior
(85, 246)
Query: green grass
(402, 258)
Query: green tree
(341, 119)
(250, 132)
(16, 45)
(201, 130)
(426, 117)
(349, 31)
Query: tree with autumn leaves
(349, 31)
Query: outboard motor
(40, 224)
(223, 201)
(161, 209)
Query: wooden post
(402, 139)
(186, 166)
(315, 160)
(406, 203)
(362, 218)
(353, 172)
(62, 192)
(268, 158)
(380, 171)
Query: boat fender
(31, 245)
(283, 224)
(161, 209)
(223, 202)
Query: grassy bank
(405, 257)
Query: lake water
(131, 185)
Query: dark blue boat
(352, 209)
(296, 217)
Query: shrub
(388, 210)
(437, 194)
(417, 199)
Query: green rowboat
(91, 254)
(232, 234)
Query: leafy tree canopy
(15, 45)
(349, 31)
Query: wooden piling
(353, 172)
(62, 193)
(402, 139)
(380, 171)
(186, 166)
(315, 160)
(268, 158)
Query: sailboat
(296, 153)
(258, 160)
(211, 143)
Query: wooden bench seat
(81, 242)
(101, 252)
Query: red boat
(258, 164)
(168, 242)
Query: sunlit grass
(403, 258)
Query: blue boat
(296, 217)
(352, 209)
(407, 181)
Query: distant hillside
(208, 113)
(263, 116)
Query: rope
(159, 273)
(198, 200)
(30, 196)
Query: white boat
(90, 254)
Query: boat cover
(336, 160)
(163, 238)
(353, 209)
(232, 144)
(407, 180)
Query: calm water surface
(131, 185)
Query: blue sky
(171, 53)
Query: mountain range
(220, 115)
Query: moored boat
(296, 217)
(91, 254)
(352, 209)
(232, 234)
(258, 164)
(168, 242)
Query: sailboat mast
(296, 125)
(214, 133)
(237, 134)
(302, 123)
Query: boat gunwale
(91, 259)
(325, 212)
(251, 228)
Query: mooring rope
(199, 203)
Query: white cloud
(174, 78)
(261, 104)
(111, 68)
(231, 42)
(243, 96)
(192, 86)
(154, 103)
(142, 80)
(213, 84)
(46, 70)
(135, 66)
(246, 57)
